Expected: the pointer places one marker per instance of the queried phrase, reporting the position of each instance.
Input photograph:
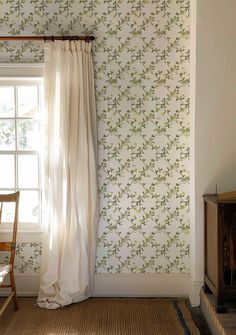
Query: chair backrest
(10, 246)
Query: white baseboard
(27, 285)
(194, 293)
(127, 285)
(141, 285)
(148, 285)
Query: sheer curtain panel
(71, 201)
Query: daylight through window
(21, 104)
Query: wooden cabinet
(220, 247)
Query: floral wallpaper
(27, 258)
(141, 58)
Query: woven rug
(101, 316)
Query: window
(21, 105)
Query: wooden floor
(200, 320)
(219, 323)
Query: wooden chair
(7, 269)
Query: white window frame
(25, 74)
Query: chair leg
(13, 286)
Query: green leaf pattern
(141, 60)
(27, 258)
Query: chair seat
(4, 270)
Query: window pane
(21, 104)
(27, 171)
(8, 209)
(7, 103)
(7, 175)
(27, 135)
(29, 206)
(27, 101)
(41, 98)
(7, 134)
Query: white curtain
(71, 202)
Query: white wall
(214, 111)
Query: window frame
(23, 74)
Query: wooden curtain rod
(47, 38)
